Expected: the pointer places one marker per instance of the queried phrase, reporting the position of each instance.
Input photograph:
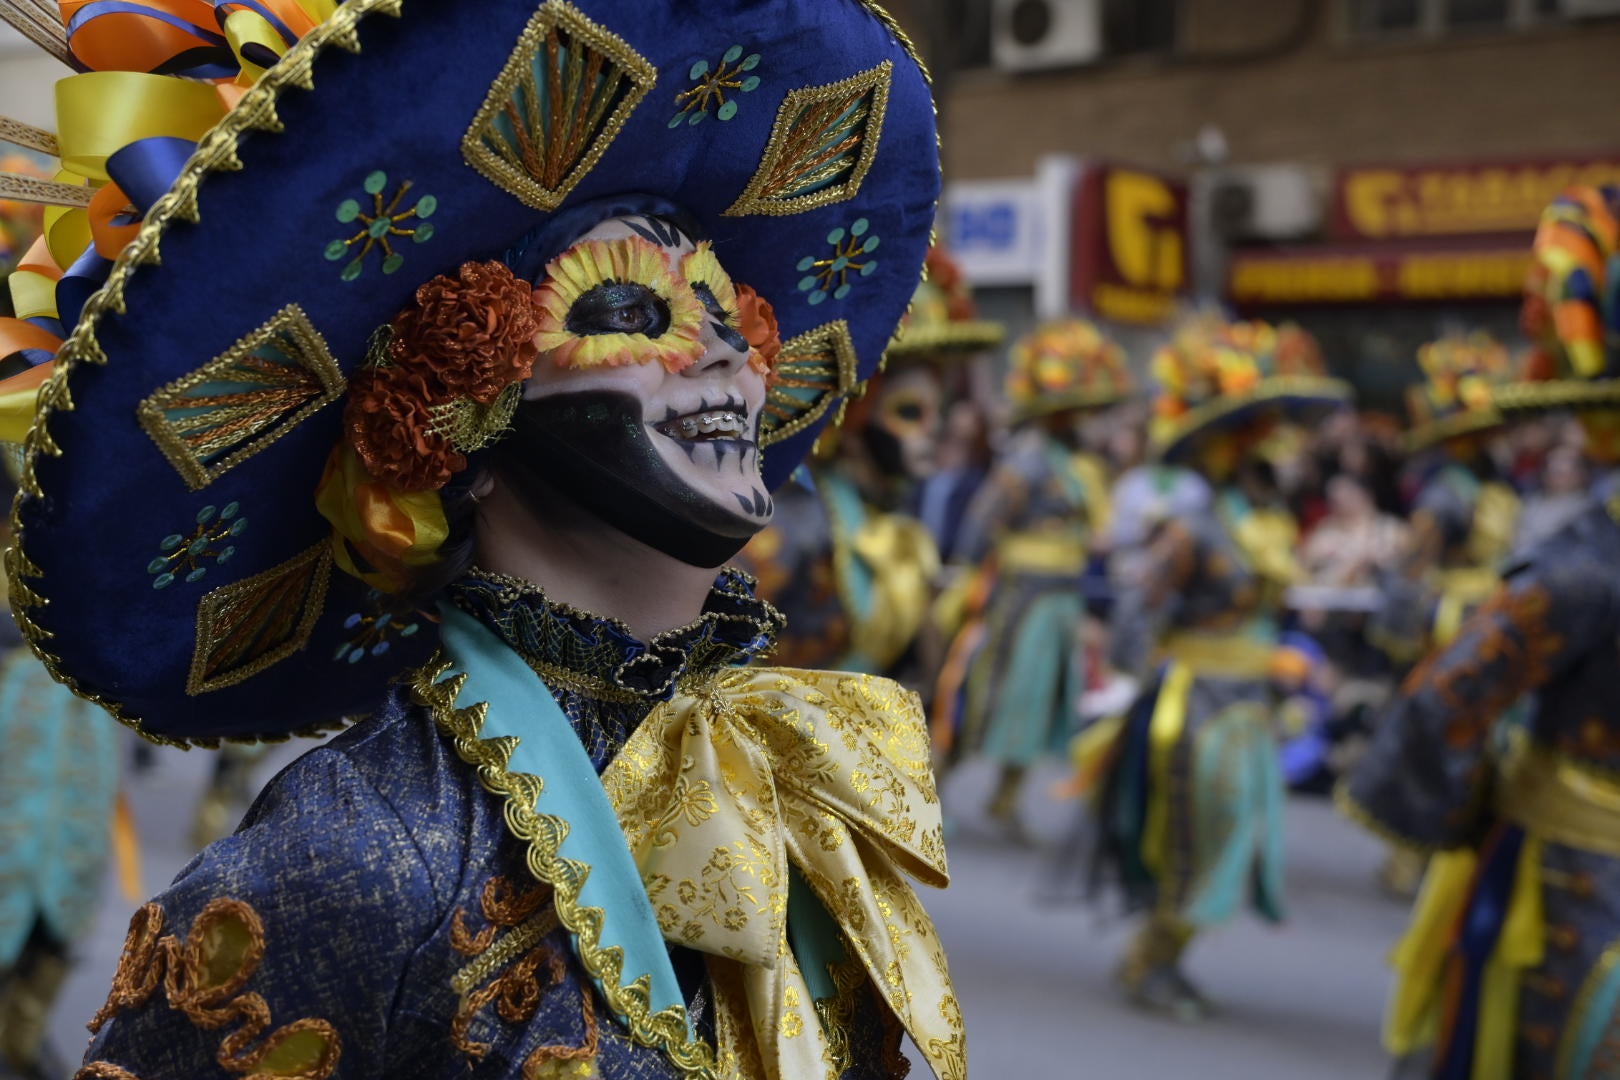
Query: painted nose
(725, 351)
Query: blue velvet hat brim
(245, 233)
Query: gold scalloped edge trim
(1271, 388)
(1346, 804)
(1470, 422)
(1582, 1002)
(1559, 394)
(667, 1030)
(216, 152)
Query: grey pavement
(1296, 1002)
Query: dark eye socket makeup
(619, 308)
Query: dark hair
(530, 254)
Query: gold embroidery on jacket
(205, 977)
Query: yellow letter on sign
(1142, 238)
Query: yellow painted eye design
(606, 303)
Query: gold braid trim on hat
(216, 152)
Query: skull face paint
(645, 404)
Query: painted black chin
(596, 449)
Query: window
(1375, 19)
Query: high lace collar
(601, 658)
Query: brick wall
(1330, 101)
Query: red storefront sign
(1467, 198)
(1437, 271)
(1128, 245)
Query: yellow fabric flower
(630, 260)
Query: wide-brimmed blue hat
(170, 562)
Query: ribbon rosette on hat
(1572, 306)
(1214, 376)
(230, 242)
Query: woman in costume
(1462, 518)
(477, 340)
(1510, 966)
(845, 559)
(1189, 794)
(1011, 677)
(1462, 522)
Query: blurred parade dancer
(1511, 966)
(1189, 794)
(844, 559)
(1463, 517)
(58, 794)
(1013, 674)
(1463, 520)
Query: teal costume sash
(521, 708)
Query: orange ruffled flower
(757, 323)
(389, 423)
(475, 331)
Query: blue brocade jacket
(373, 915)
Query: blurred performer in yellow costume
(1012, 674)
(1463, 517)
(844, 559)
(1189, 793)
(1511, 968)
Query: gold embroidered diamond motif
(259, 621)
(821, 146)
(563, 97)
(813, 369)
(243, 400)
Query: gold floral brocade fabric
(720, 789)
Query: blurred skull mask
(904, 422)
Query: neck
(580, 561)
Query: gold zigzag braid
(215, 153)
(20, 134)
(40, 22)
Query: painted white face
(702, 414)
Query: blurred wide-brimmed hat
(1572, 307)
(1220, 376)
(1066, 365)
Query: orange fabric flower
(475, 331)
(757, 322)
(389, 422)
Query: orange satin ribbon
(394, 533)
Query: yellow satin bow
(719, 789)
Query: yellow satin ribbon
(1164, 732)
(381, 535)
(903, 559)
(720, 789)
(101, 112)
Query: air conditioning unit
(1588, 9)
(1263, 202)
(1034, 35)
